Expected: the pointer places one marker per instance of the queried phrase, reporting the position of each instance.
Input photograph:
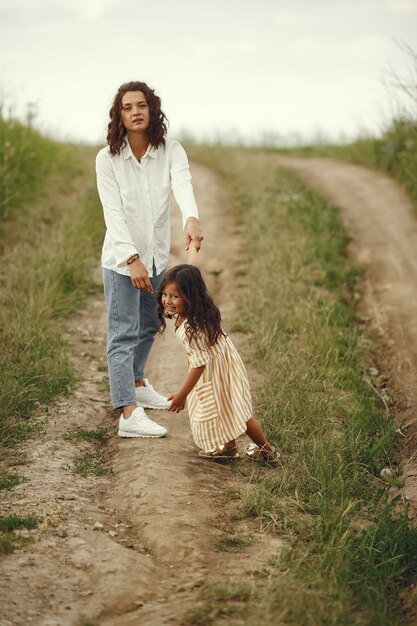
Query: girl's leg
(255, 432)
(122, 301)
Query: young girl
(217, 385)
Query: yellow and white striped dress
(220, 404)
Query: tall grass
(350, 551)
(28, 162)
(46, 268)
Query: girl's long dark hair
(157, 120)
(203, 316)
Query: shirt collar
(152, 152)
(127, 151)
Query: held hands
(178, 399)
(193, 233)
(139, 276)
(178, 402)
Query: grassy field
(51, 232)
(349, 555)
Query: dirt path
(383, 226)
(133, 547)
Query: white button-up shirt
(135, 198)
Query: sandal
(261, 455)
(220, 455)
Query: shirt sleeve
(181, 183)
(109, 192)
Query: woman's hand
(139, 276)
(178, 402)
(193, 233)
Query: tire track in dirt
(381, 221)
(160, 509)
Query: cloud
(307, 45)
(93, 9)
(209, 50)
(362, 46)
(285, 18)
(365, 46)
(5, 5)
(86, 9)
(401, 6)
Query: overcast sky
(222, 68)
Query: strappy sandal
(220, 455)
(261, 455)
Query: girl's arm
(179, 398)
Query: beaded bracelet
(132, 258)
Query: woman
(135, 174)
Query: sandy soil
(160, 510)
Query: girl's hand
(139, 276)
(178, 402)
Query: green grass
(8, 480)
(219, 603)
(81, 434)
(351, 551)
(28, 164)
(215, 272)
(92, 463)
(57, 227)
(15, 522)
(9, 540)
(229, 542)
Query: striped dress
(220, 404)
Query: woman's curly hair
(158, 122)
(203, 316)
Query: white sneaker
(139, 425)
(148, 398)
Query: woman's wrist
(133, 257)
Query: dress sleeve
(199, 351)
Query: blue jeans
(132, 325)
